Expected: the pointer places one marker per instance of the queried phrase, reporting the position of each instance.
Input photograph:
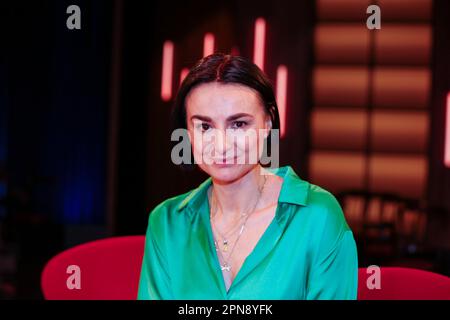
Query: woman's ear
(268, 126)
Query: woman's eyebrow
(230, 118)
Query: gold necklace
(226, 266)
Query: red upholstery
(109, 268)
(405, 284)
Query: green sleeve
(333, 273)
(154, 282)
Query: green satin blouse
(307, 251)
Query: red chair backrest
(404, 284)
(109, 270)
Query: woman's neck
(239, 196)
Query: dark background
(84, 135)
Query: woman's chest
(273, 266)
(233, 252)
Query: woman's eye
(239, 124)
(203, 127)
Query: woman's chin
(227, 173)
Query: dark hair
(224, 68)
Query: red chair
(109, 270)
(404, 284)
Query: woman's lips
(227, 162)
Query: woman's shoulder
(167, 206)
(327, 219)
(325, 209)
(160, 219)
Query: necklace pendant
(225, 267)
(225, 245)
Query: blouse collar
(294, 190)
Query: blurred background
(84, 118)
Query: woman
(247, 232)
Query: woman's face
(227, 123)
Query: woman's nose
(222, 143)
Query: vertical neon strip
(259, 42)
(208, 44)
(183, 74)
(447, 134)
(282, 79)
(167, 70)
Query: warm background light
(282, 79)
(447, 133)
(167, 71)
(208, 44)
(259, 42)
